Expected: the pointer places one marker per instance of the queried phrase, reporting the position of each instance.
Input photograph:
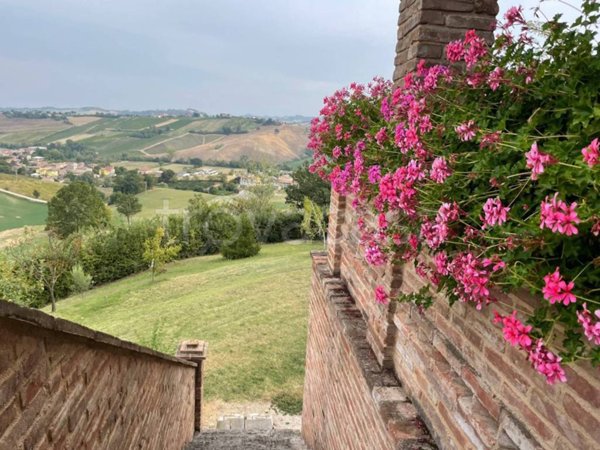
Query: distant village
(26, 161)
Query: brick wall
(350, 401)
(64, 386)
(426, 26)
(470, 387)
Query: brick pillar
(337, 212)
(195, 351)
(426, 26)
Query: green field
(164, 201)
(252, 312)
(16, 212)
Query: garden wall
(66, 386)
(469, 386)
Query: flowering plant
(486, 175)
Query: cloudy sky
(238, 56)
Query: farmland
(112, 138)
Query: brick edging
(40, 319)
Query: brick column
(337, 212)
(195, 351)
(426, 26)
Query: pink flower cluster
(591, 153)
(494, 212)
(466, 131)
(440, 170)
(559, 217)
(590, 324)
(473, 279)
(546, 363)
(556, 289)
(514, 331)
(374, 255)
(536, 160)
(471, 50)
(543, 360)
(381, 295)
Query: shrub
(115, 253)
(485, 178)
(243, 244)
(80, 281)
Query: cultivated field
(252, 312)
(180, 137)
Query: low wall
(350, 401)
(66, 386)
(471, 388)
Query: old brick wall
(350, 401)
(64, 386)
(470, 387)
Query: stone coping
(12, 311)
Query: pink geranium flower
(466, 131)
(558, 216)
(558, 290)
(591, 153)
(440, 170)
(514, 331)
(546, 363)
(494, 212)
(536, 160)
(590, 323)
(381, 295)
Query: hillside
(223, 139)
(252, 312)
(26, 185)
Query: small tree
(244, 244)
(128, 205)
(54, 260)
(157, 252)
(36, 193)
(81, 281)
(313, 224)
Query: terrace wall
(470, 388)
(66, 386)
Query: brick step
(247, 440)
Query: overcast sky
(262, 56)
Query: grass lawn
(252, 312)
(16, 212)
(26, 185)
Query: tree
(157, 252)
(36, 193)
(54, 260)
(308, 185)
(167, 176)
(244, 243)
(314, 225)
(75, 207)
(129, 182)
(128, 205)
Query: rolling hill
(216, 138)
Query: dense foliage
(485, 174)
(243, 243)
(76, 207)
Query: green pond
(16, 212)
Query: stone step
(247, 440)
